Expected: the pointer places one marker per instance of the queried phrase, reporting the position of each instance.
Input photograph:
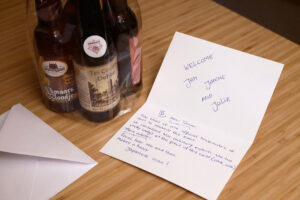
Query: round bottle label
(54, 68)
(95, 46)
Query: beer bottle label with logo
(57, 78)
(98, 86)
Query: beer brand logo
(55, 68)
(95, 46)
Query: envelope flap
(26, 134)
(3, 118)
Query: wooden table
(271, 168)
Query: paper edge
(6, 114)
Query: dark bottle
(69, 15)
(56, 72)
(126, 35)
(95, 62)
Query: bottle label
(57, 80)
(98, 87)
(95, 46)
(55, 68)
(136, 58)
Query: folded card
(201, 116)
(36, 162)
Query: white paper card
(36, 162)
(201, 116)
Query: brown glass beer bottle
(128, 43)
(95, 62)
(56, 72)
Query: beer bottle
(69, 15)
(127, 39)
(95, 62)
(56, 72)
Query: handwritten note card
(201, 116)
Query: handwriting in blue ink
(198, 62)
(162, 114)
(217, 104)
(207, 97)
(161, 141)
(209, 83)
(189, 81)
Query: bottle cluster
(89, 55)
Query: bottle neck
(92, 20)
(116, 5)
(48, 12)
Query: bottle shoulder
(49, 41)
(126, 22)
(49, 33)
(88, 61)
(88, 43)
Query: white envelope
(36, 162)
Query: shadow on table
(280, 16)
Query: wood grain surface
(271, 168)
